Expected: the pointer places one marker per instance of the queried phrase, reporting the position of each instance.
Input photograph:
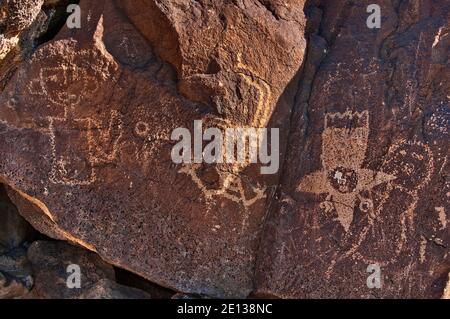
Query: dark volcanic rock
(368, 160)
(50, 262)
(86, 126)
(15, 274)
(14, 229)
(85, 141)
(11, 288)
(107, 289)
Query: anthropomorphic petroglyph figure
(389, 233)
(78, 142)
(65, 85)
(79, 145)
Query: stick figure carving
(78, 144)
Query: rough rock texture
(25, 24)
(85, 127)
(15, 232)
(14, 229)
(40, 269)
(15, 274)
(94, 109)
(126, 278)
(107, 289)
(368, 159)
(50, 262)
(11, 288)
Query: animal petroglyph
(251, 77)
(232, 188)
(342, 176)
(412, 164)
(232, 185)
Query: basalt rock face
(25, 24)
(368, 160)
(51, 263)
(85, 140)
(33, 268)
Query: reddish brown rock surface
(86, 120)
(368, 160)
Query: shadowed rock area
(32, 266)
(86, 117)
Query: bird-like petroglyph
(342, 177)
(412, 163)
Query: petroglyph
(422, 249)
(142, 129)
(79, 142)
(446, 293)
(130, 49)
(232, 185)
(7, 44)
(342, 176)
(412, 163)
(348, 186)
(78, 146)
(150, 135)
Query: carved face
(67, 85)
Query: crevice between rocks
(21, 278)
